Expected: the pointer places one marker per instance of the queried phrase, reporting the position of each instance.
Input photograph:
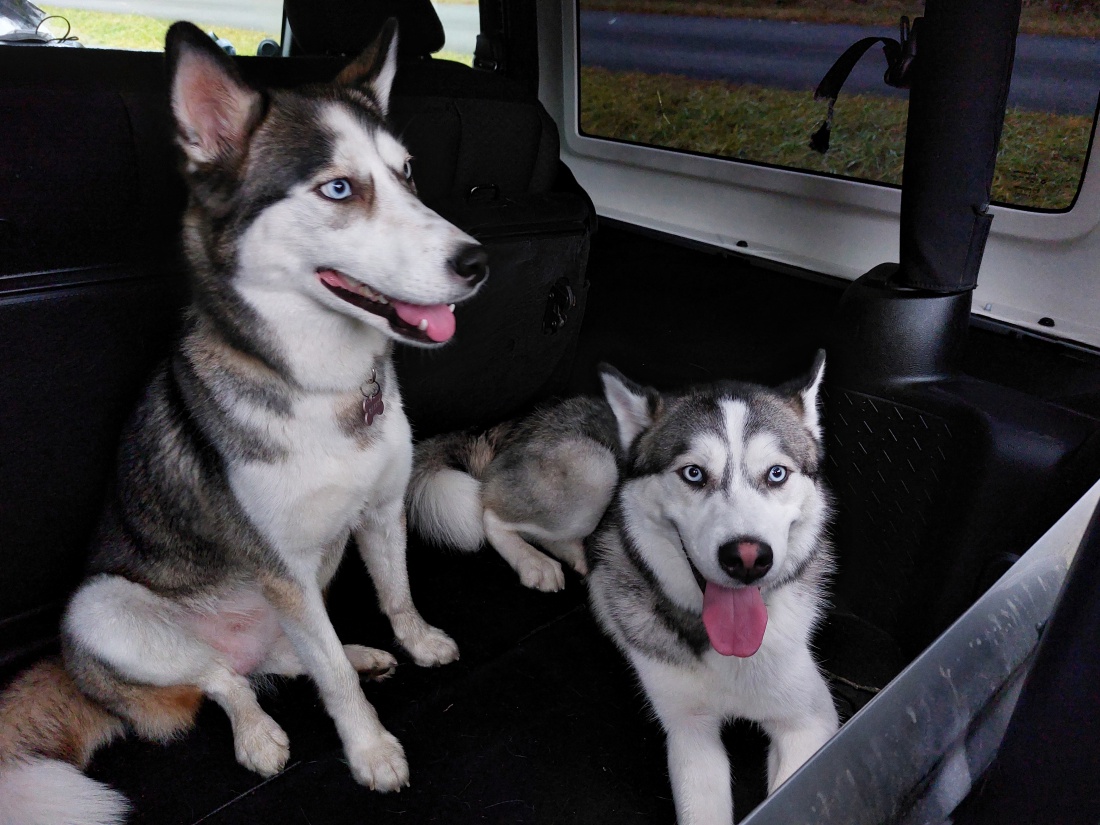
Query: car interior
(956, 438)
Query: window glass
(461, 24)
(240, 25)
(735, 79)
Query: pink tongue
(441, 321)
(735, 619)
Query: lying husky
(546, 478)
(709, 572)
(273, 433)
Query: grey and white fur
(544, 480)
(249, 461)
(715, 540)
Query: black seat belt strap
(899, 61)
(489, 51)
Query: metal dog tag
(372, 406)
(372, 400)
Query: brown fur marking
(156, 713)
(284, 595)
(364, 197)
(479, 452)
(349, 416)
(161, 713)
(44, 714)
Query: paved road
(1050, 74)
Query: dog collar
(371, 391)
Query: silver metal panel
(912, 754)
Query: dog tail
(49, 730)
(49, 792)
(444, 501)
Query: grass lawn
(1039, 164)
(1069, 18)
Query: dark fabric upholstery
(421, 33)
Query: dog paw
(432, 647)
(381, 766)
(373, 663)
(262, 746)
(429, 646)
(541, 573)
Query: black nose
(471, 263)
(745, 559)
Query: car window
(735, 79)
(461, 24)
(239, 25)
(245, 27)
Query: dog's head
(307, 196)
(721, 494)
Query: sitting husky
(546, 478)
(273, 433)
(709, 573)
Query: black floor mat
(540, 721)
(550, 731)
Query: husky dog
(272, 434)
(546, 478)
(709, 569)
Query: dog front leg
(376, 758)
(698, 765)
(382, 545)
(811, 723)
(699, 770)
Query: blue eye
(777, 475)
(409, 170)
(336, 190)
(693, 475)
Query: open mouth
(735, 618)
(426, 324)
(700, 579)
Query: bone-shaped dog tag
(372, 399)
(373, 406)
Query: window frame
(846, 226)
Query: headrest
(346, 27)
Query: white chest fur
(327, 476)
(767, 685)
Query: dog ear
(634, 406)
(807, 392)
(375, 69)
(215, 109)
